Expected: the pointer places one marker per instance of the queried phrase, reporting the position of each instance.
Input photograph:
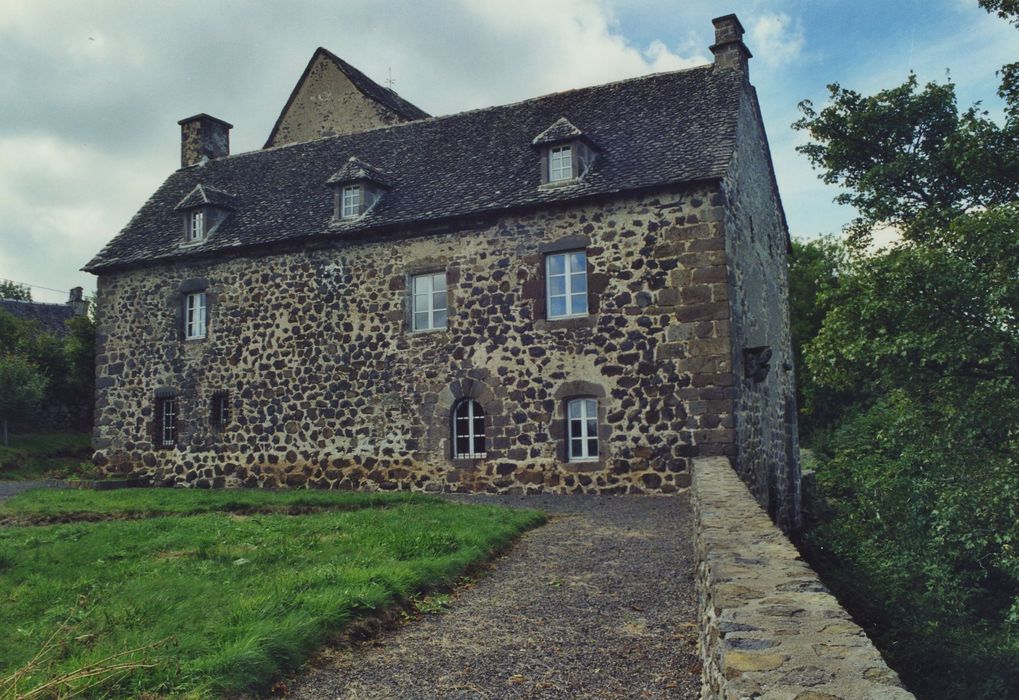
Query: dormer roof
(205, 195)
(561, 130)
(355, 170)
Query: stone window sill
(570, 322)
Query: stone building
(48, 318)
(577, 293)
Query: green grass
(55, 504)
(46, 455)
(242, 598)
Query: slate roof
(655, 130)
(49, 318)
(356, 169)
(204, 194)
(368, 87)
(562, 130)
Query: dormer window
(204, 210)
(566, 153)
(560, 163)
(350, 202)
(357, 189)
(196, 226)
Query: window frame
(196, 328)
(220, 410)
(431, 308)
(561, 163)
(475, 413)
(568, 294)
(352, 207)
(196, 226)
(588, 411)
(167, 422)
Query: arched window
(468, 430)
(582, 425)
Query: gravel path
(599, 603)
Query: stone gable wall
(766, 435)
(328, 104)
(329, 388)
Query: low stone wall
(769, 627)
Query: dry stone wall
(328, 387)
(768, 445)
(769, 627)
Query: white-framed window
(166, 421)
(428, 297)
(350, 201)
(468, 430)
(566, 280)
(582, 428)
(196, 312)
(196, 226)
(560, 163)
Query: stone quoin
(580, 292)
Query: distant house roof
(49, 318)
(651, 131)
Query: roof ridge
(476, 110)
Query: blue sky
(93, 91)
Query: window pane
(557, 285)
(439, 300)
(556, 264)
(576, 425)
(479, 444)
(576, 448)
(574, 409)
(557, 306)
(592, 448)
(592, 428)
(579, 304)
(578, 283)
(463, 445)
(578, 262)
(439, 319)
(420, 303)
(591, 406)
(439, 282)
(422, 284)
(461, 410)
(421, 320)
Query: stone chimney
(729, 49)
(203, 138)
(77, 303)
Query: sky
(90, 92)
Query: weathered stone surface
(760, 636)
(330, 389)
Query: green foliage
(47, 455)
(13, 290)
(908, 158)
(21, 390)
(920, 468)
(243, 598)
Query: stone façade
(308, 323)
(330, 388)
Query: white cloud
(776, 39)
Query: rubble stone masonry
(328, 387)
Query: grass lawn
(46, 455)
(230, 600)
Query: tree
(21, 390)
(13, 290)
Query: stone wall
(757, 247)
(769, 628)
(329, 388)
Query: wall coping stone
(769, 627)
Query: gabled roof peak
(202, 195)
(356, 169)
(561, 130)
